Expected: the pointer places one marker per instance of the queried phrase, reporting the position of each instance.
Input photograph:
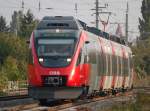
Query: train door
(94, 76)
(118, 69)
(110, 67)
(131, 72)
(107, 84)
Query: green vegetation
(141, 104)
(13, 47)
(13, 57)
(142, 58)
(142, 50)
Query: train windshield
(54, 52)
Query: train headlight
(41, 60)
(68, 59)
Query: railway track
(68, 105)
(30, 105)
(9, 98)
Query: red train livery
(68, 59)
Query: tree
(3, 26)
(16, 22)
(144, 26)
(10, 69)
(27, 24)
(13, 54)
(142, 50)
(13, 23)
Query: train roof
(60, 22)
(103, 34)
(71, 23)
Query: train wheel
(102, 93)
(43, 101)
(114, 92)
(85, 90)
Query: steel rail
(8, 98)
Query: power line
(76, 9)
(39, 6)
(127, 22)
(98, 11)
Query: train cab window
(54, 52)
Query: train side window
(110, 64)
(101, 63)
(128, 68)
(30, 56)
(118, 65)
(131, 63)
(86, 56)
(79, 58)
(104, 63)
(114, 65)
(124, 65)
(107, 66)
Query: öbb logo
(54, 72)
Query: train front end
(53, 54)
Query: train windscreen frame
(55, 51)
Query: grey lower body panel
(55, 92)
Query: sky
(84, 12)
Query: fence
(14, 88)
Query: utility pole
(97, 14)
(127, 22)
(39, 6)
(98, 10)
(18, 18)
(22, 5)
(76, 9)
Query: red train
(68, 59)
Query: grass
(142, 104)
(142, 99)
(2, 94)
